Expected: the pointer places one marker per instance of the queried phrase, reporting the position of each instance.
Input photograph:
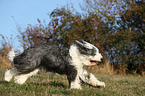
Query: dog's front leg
(94, 81)
(91, 79)
(75, 84)
(74, 81)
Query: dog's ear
(85, 44)
(85, 47)
(81, 46)
(82, 42)
(79, 43)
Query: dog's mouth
(93, 62)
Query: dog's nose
(101, 59)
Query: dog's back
(49, 56)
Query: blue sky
(24, 12)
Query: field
(47, 85)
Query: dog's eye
(93, 52)
(87, 51)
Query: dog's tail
(11, 55)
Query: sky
(20, 13)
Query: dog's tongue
(93, 63)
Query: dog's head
(89, 52)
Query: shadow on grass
(4, 82)
(51, 84)
(57, 84)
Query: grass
(4, 62)
(46, 85)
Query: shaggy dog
(72, 62)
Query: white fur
(89, 45)
(76, 84)
(93, 81)
(77, 59)
(80, 62)
(11, 55)
(97, 57)
(8, 75)
(90, 78)
(20, 79)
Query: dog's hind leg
(10, 73)
(20, 79)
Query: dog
(72, 62)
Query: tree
(134, 19)
(38, 34)
(105, 23)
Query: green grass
(45, 85)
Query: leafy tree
(38, 34)
(134, 19)
(114, 26)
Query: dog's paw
(76, 86)
(101, 84)
(8, 76)
(79, 88)
(20, 79)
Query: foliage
(37, 34)
(5, 46)
(133, 26)
(116, 27)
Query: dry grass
(105, 68)
(4, 62)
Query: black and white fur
(72, 62)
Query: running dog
(71, 61)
